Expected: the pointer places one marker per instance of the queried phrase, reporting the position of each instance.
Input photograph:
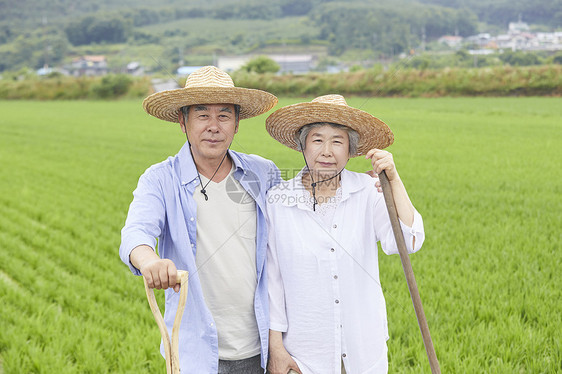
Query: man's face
(210, 129)
(326, 150)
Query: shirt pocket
(247, 220)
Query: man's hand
(159, 273)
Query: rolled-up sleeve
(413, 235)
(145, 219)
(416, 232)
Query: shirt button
(335, 277)
(335, 226)
(344, 355)
(337, 301)
(191, 219)
(332, 249)
(193, 245)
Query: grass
(484, 173)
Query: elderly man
(206, 208)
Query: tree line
(387, 27)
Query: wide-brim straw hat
(208, 85)
(284, 123)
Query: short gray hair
(185, 111)
(300, 136)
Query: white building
(295, 64)
(89, 66)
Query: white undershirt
(327, 209)
(226, 263)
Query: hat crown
(284, 123)
(209, 76)
(331, 99)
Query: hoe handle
(409, 272)
(171, 348)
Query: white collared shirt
(324, 289)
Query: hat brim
(284, 123)
(166, 104)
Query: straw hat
(208, 85)
(284, 123)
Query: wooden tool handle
(171, 348)
(409, 272)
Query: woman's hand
(382, 160)
(280, 361)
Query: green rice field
(485, 173)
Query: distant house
(232, 63)
(504, 41)
(517, 27)
(295, 64)
(518, 38)
(551, 41)
(479, 40)
(451, 41)
(135, 68)
(89, 66)
(515, 42)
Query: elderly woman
(327, 310)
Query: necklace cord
(204, 187)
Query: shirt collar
(350, 183)
(188, 170)
(238, 165)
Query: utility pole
(47, 44)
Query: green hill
(34, 33)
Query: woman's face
(326, 150)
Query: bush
(557, 58)
(112, 86)
(519, 58)
(261, 65)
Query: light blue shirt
(163, 207)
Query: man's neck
(208, 167)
